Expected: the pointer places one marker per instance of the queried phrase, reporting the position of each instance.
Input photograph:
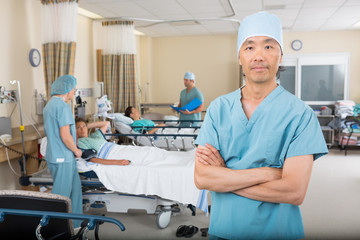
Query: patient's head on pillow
(81, 128)
(119, 117)
(133, 113)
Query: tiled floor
(331, 209)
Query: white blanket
(153, 171)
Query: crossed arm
(287, 185)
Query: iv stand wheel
(163, 219)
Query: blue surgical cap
(260, 24)
(63, 85)
(189, 75)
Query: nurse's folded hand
(209, 155)
(78, 153)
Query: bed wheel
(163, 219)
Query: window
(317, 79)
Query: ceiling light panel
(209, 7)
(127, 9)
(96, 9)
(323, 3)
(346, 12)
(315, 13)
(337, 24)
(254, 5)
(161, 8)
(352, 3)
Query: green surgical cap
(63, 85)
(190, 76)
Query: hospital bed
(36, 215)
(160, 186)
(170, 137)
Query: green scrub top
(185, 98)
(94, 141)
(57, 114)
(142, 122)
(282, 126)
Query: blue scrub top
(185, 98)
(57, 114)
(282, 126)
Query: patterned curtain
(119, 65)
(59, 21)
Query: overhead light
(88, 14)
(356, 25)
(138, 33)
(274, 7)
(184, 22)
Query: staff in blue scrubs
(59, 126)
(257, 145)
(187, 95)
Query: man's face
(134, 113)
(81, 130)
(72, 93)
(260, 58)
(188, 82)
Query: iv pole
(22, 128)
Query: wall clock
(34, 57)
(296, 45)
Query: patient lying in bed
(168, 174)
(139, 122)
(95, 141)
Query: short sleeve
(65, 116)
(308, 138)
(199, 95)
(208, 131)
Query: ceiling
(158, 18)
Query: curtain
(59, 21)
(119, 64)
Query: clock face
(296, 45)
(34, 57)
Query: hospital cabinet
(328, 132)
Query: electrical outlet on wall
(84, 92)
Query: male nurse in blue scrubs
(257, 145)
(187, 95)
(61, 150)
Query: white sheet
(153, 171)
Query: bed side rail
(150, 135)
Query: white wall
(213, 60)
(21, 31)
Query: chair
(37, 215)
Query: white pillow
(119, 117)
(171, 117)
